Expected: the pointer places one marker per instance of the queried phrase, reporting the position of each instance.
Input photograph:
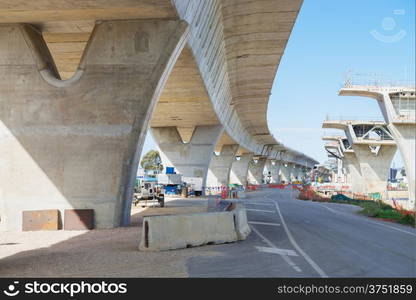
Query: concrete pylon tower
(398, 106)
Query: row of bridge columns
(196, 158)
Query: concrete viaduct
(82, 81)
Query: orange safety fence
(277, 186)
(307, 193)
(251, 187)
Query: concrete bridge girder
(58, 135)
(220, 53)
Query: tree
(151, 161)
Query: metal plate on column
(78, 219)
(33, 220)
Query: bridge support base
(353, 172)
(374, 168)
(75, 144)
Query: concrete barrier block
(241, 223)
(181, 231)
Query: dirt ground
(97, 253)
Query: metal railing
(375, 80)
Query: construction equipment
(148, 193)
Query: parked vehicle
(148, 193)
(195, 184)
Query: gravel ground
(96, 253)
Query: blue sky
(329, 38)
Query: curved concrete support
(353, 172)
(76, 144)
(239, 169)
(189, 159)
(220, 166)
(255, 171)
(374, 168)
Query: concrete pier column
(239, 169)
(404, 135)
(374, 168)
(220, 166)
(352, 171)
(302, 173)
(273, 166)
(285, 171)
(255, 171)
(75, 143)
(189, 159)
(296, 173)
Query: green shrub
(370, 208)
(408, 219)
(385, 206)
(389, 214)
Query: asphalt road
(295, 238)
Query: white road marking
(285, 257)
(260, 210)
(287, 252)
(368, 220)
(264, 223)
(313, 264)
(391, 227)
(259, 203)
(330, 209)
